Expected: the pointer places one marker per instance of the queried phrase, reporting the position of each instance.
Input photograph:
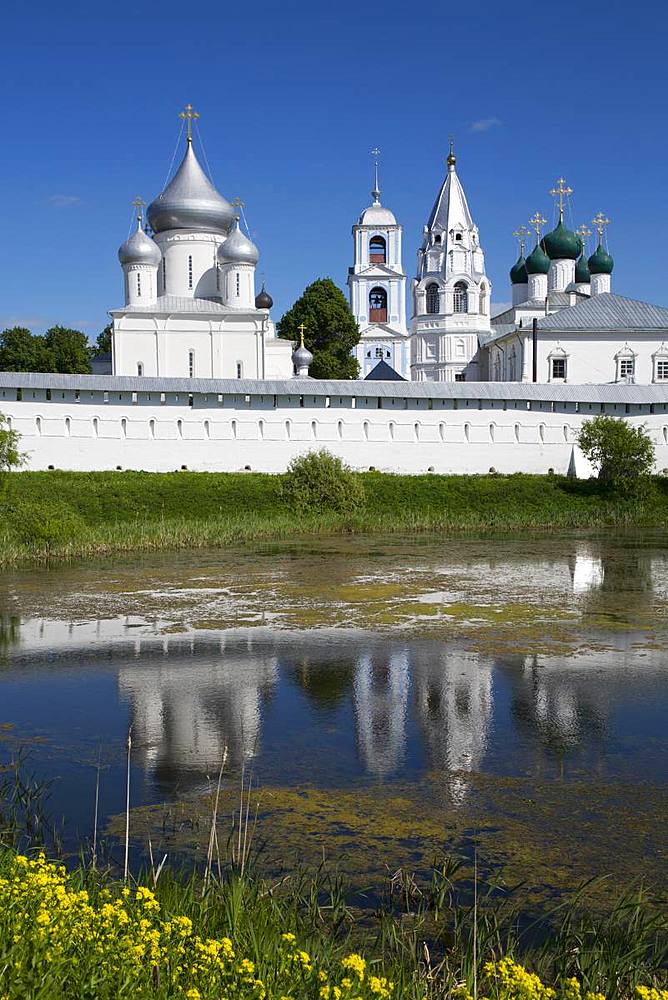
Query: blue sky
(293, 96)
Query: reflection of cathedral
(187, 710)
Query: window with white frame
(660, 366)
(379, 352)
(460, 376)
(461, 297)
(191, 364)
(238, 284)
(627, 367)
(138, 285)
(190, 272)
(240, 369)
(140, 368)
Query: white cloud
(63, 200)
(485, 124)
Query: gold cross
(520, 235)
(600, 221)
(139, 203)
(375, 152)
(537, 222)
(560, 191)
(583, 233)
(188, 115)
(301, 331)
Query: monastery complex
(200, 380)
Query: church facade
(191, 308)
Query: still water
(389, 699)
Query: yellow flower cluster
(73, 943)
(507, 980)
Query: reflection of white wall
(453, 698)
(587, 570)
(381, 696)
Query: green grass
(72, 514)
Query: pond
(387, 700)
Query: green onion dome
(537, 262)
(582, 275)
(562, 244)
(600, 261)
(518, 272)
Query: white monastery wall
(367, 425)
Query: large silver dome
(139, 249)
(238, 249)
(190, 202)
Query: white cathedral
(190, 304)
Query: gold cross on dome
(188, 115)
(600, 221)
(537, 222)
(301, 333)
(138, 203)
(561, 191)
(520, 235)
(583, 233)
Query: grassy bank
(69, 514)
(88, 934)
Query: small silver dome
(238, 249)
(377, 215)
(139, 249)
(302, 357)
(190, 201)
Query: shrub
(321, 481)
(623, 455)
(42, 525)
(10, 456)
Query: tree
(21, 351)
(624, 455)
(330, 330)
(69, 350)
(10, 456)
(103, 343)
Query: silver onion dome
(238, 249)
(190, 201)
(302, 357)
(139, 249)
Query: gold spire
(188, 115)
(600, 221)
(452, 159)
(520, 235)
(583, 233)
(560, 191)
(139, 203)
(537, 222)
(301, 334)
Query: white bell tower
(377, 286)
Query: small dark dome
(263, 299)
(538, 262)
(582, 275)
(600, 261)
(518, 272)
(562, 244)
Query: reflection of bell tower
(381, 697)
(453, 698)
(377, 286)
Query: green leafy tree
(10, 456)
(623, 455)
(103, 343)
(330, 331)
(69, 350)
(22, 351)
(321, 481)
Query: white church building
(191, 308)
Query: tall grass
(69, 515)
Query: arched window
(461, 297)
(190, 272)
(377, 250)
(138, 285)
(433, 305)
(378, 305)
(191, 364)
(140, 369)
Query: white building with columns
(451, 292)
(190, 304)
(377, 289)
